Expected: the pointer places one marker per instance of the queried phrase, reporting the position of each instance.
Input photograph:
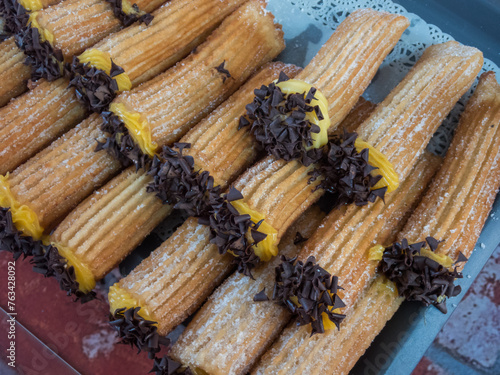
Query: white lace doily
(419, 36)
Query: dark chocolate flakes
(347, 174)
(167, 366)
(222, 70)
(137, 332)
(261, 296)
(312, 287)
(417, 277)
(94, 87)
(279, 123)
(46, 260)
(128, 19)
(120, 144)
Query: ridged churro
(12, 65)
(476, 148)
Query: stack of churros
(393, 122)
(453, 211)
(132, 115)
(61, 176)
(35, 119)
(187, 267)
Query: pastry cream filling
(137, 127)
(376, 252)
(120, 298)
(129, 9)
(295, 86)
(31, 5)
(24, 218)
(83, 274)
(385, 168)
(45, 35)
(102, 60)
(267, 248)
(327, 323)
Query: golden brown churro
(476, 147)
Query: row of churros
(56, 210)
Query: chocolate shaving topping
(177, 183)
(128, 19)
(417, 277)
(279, 122)
(312, 287)
(136, 331)
(94, 87)
(12, 240)
(299, 238)
(261, 296)
(120, 144)
(45, 258)
(15, 17)
(228, 230)
(48, 262)
(225, 73)
(347, 174)
(167, 366)
(45, 61)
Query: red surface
(77, 333)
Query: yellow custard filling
(45, 34)
(119, 298)
(102, 60)
(83, 274)
(267, 248)
(385, 168)
(24, 218)
(295, 86)
(327, 323)
(376, 252)
(137, 127)
(31, 5)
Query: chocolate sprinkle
(229, 230)
(46, 260)
(279, 123)
(136, 331)
(299, 238)
(417, 277)
(167, 366)
(225, 73)
(94, 87)
(347, 174)
(129, 19)
(261, 296)
(120, 144)
(177, 183)
(12, 240)
(314, 288)
(14, 15)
